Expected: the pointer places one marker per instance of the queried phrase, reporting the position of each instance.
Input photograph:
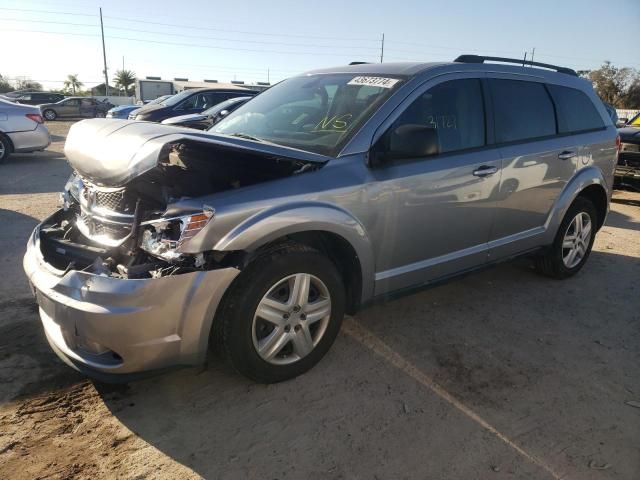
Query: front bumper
(31, 140)
(112, 327)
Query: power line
(245, 32)
(260, 42)
(160, 42)
(194, 27)
(49, 11)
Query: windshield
(177, 98)
(224, 105)
(160, 100)
(317, 113)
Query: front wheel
(573, 241)
(282, 314)
(100, 114)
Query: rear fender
(584, 178)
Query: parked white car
(22, 129)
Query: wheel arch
(325, 227)
(589, 183)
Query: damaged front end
(118, 215)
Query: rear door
(537, 162)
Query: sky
(270, 40)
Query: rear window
(523, 110)
(576, 111)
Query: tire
(239, 332)
(49, 114)
(553, 261)
(5, 148)
(100, 114)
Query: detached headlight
(71, 190)
(163, 238)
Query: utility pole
(533, 52)
(268, 77)
(382, 49)
(525, 59)
(123, 63)
(104, 58)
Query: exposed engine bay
(125, 231)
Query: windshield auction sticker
(374, 81)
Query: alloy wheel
(3, 150)
(291, 319)
(576, 240)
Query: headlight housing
(163, 238)
(71, 190)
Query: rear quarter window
(576, 112)
(522, 110)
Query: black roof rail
(482, 59)
(359, 63)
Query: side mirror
(407, 141)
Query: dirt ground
(502, 374)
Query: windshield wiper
(246, 137)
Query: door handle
(566, 155)
(485, 171)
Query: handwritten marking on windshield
(337, 123)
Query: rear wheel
(573, 242)
(100, 114)
(5, 148)
(281, 315)
(49, 114)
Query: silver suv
(329, 191)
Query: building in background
(153, 87)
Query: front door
(435, 212)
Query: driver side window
(446, 118)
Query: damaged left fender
(277, 222)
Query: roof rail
(359, 63)
(482, 59)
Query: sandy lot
(503, 374)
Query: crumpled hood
(112, 152)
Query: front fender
(584, 178)
(277, 222)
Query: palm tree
(124, 79)
(72, 83)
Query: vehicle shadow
(620, 220)
(488, 339)
(626, 201)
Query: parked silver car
(22, 129)
(329, 191)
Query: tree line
(124, 81)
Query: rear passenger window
(455, 109)
(523, 110)
(575, 110)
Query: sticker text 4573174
(383, 82)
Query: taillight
(618, 143)
(36, 117)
